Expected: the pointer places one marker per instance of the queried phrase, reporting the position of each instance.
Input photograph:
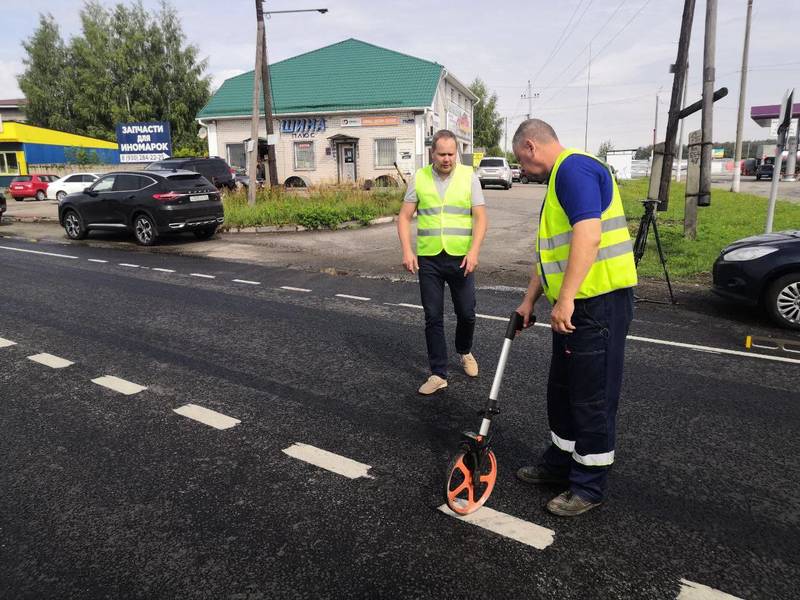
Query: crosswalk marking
(48, 360)
(4, 343)
(119, 385)
(697, 591)
(207, 416)
(509, 526)
(328, 460)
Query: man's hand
(525, 310)
(561, 317)
(470, 262)
(410, 262)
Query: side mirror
(89, 191)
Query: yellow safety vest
(614, 267)
(444, 223)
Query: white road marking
(48, 360)
(492, 317)
(163, 270)
(4, 343)
(37, 252)
(247, 282)
(97, 260)
(203, 275)
(410, 305)
(348, 296)
(509, 526)
(294, 289)
(129, 265)
(696, 591)
(207, 416)
(119, 385)
(328, 460)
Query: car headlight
(749, 253)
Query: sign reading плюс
(144, 142)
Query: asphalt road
(107, 495)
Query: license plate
(202, 198)
(18, 187)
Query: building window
(8, 163)
(385, 152)
(304, 156)
(452, 95)
(460, 99)
(236, 155)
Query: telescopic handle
(515, 324)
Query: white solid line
(203, 276)
(353, 297)
(128, 265)
(696, 591)
(163, 270)
(492, 317)
(328, 460)
(525, 532)
(207, 416)
(37, 252)
(119, 385)
(51, 361)
(410, 305)
(247, 281)
(4, 343)
(294, 289)
(97, 260)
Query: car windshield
(492, 162)
(187, 181)
(22, 178)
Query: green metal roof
(350, 75)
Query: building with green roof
(345, 112)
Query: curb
(15, 219)
(296, 228)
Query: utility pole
(704, 195)
(680, 131)
(505, 144)
(737, 171)
(655, 129)
(530, 100)
(266, 88)
(586, 127)
(252, 157)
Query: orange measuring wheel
(469, 485)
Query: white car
(494, 170)
(69, 184)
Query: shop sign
(351, 122)
(303, 128)
(144, 142)
(458, 121)
(379, 121)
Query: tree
(488, 124)
(605, 147)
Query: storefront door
(347, 162)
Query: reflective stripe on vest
(613, 267)
(444, 223)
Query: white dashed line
(696, 591)
(294, 289)
(163, 270)
(247, 282)
(410, 305)
(97, 260)
(207, 416)
(525, 532)
(48, 360)
(129, 265)
(37, 252)
(4, 343)
(203, 275)
(119, 385)
(348, 296)
(328, 460)
(492, 317)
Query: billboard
(144, 142)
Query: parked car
(764, 171)
(146, 203)
(213, 168)
(69, 184)
(3, 206)
(748, 166)
(515, 171)
(763, 270)
(527, 177)
(30, 186)
(494, 170)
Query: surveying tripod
(640, 245)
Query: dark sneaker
(568, 504)
(538, 475)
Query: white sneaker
(433, 385)
(470, 364)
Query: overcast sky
(633, 43)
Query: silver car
(494, 170)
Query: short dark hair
(536, 130)
(443, 134)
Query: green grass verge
(318, 209)
(730, 217)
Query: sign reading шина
(144, 142)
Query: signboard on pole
(144, 142)
(693, 160)
(773, 128)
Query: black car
(763, 270)
(764, 171)
(147, 203)
(212, 168)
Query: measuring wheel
(469, 485)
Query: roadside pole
(784, 122)
(704, 195)
(737, 168)
(252, 148)
(266, 88)
(680, 130)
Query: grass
(731, 216)
(318, 208)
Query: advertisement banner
(144, 142)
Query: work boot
(538, 475)
(470, 364)
(433, 385)
(568, 504)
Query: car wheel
(510, 185)
(18, 199)
(758, 177)
(60, 196)
(206, 233)
(523, 180)
(145, 230)
(40, 195)
(73, 225)
(782, 301)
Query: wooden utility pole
(737, 157)
(252, 155)
(266, 87)
(704, 195)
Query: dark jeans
(583, 392)
(434, 271)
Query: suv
(212, 168)
(494, 170)
(515, 171)
(30, 186)
(147, 203)
(764, 170)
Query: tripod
(640, 245)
